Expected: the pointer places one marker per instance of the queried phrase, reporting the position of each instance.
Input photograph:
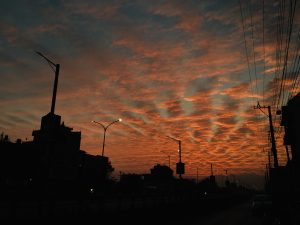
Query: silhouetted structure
(209, 185)
(94, 169)
(284, 183)
(291, 122)
(19, 163)
(52, 157)
(58, 148)
(180, 166)
(161, 172)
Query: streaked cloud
(173, 68)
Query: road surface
(237, 215)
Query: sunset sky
(175, 68)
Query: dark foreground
(206, 210)
(146, 210)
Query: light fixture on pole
(55, 68)
(105, 129)
(180, 164)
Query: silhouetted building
(53, 156)
(58, 147)
(284, 180)
(291, 122)
(18, 163)
(94, 169)
(288, 176)
(161, 172)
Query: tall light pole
(55, 68)
(179, 146)
(105, 129)
(180, 164)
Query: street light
(179, 146)
(105, 128)
(55, 68)
(180, 164)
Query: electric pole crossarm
(260, 108)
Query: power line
(245, 43)
(253, 48)
(287, 45)
(264, 51)
(296, 67)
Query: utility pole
(179, 150)
(267, 172)
(180, 164)
(287, 153)
(55, 68)
(273, 148)
(269, 159)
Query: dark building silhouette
(160, 177)
(94, 169)
(161, 172)
(19, 163)
(52, 157)
(284, 183)
(58, 147)
(291, 122)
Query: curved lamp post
(55, 67)
(105, 129)
(179, 146)
(180, 164)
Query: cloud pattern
(167, 68)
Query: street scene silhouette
(176, 112)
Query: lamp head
(120, 120)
